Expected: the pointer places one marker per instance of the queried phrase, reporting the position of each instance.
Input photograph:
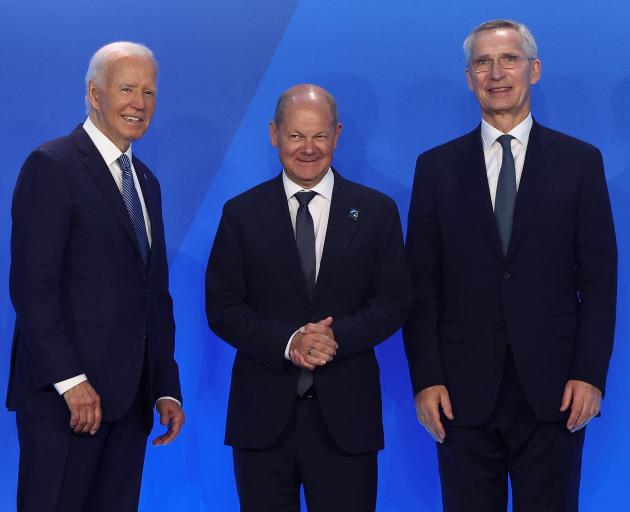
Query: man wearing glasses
(513, 259)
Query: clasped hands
(313, 345)
(582, 398)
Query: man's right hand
(314, 345)
(85, 408)
(428, 403)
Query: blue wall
(398, 74)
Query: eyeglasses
(505, 62)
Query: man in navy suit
(308, 268)
(94, 334)
(512, 253)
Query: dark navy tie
(134, 208)
(305, 238)
(506, 193)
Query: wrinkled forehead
(130, 65)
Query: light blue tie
(506, 193)
(134, 208)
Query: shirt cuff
(168, 398)
(67, 384)
(286, 350)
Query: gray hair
(286, 96)
(529, 43)
(106, 54)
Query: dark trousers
(543, 460)
(334, 481)
(61, 471)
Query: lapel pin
(354, 214)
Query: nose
(496, 71)
(308, 147)
(138, 101)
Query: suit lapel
(539, 160)
(276, 222)
(101, 174)
(470, 167)
(151, 203)
(340, 230)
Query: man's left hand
(171, 415)
(584, 399)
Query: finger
(98, 416)
(302, 363)
(319, 338)
(74, 417)
(445, 402)
(567, 396)
(81, 421)
(321, 355)
(314, 361)
(576, 409)
(89, 420)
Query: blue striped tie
(134, 208)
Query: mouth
(499, 90)
(132, 119)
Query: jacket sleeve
(42, 216)
(420, 332)
(596, 270)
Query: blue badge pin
(354, 214)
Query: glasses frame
(498, 60)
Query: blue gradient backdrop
(397, 71)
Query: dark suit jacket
(84, 301)
(553, 295)
(256, 298)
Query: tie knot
(505, 141)
(305, 197)
(123, 162)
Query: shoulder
(562, 141)
(362, 197)
(253, 196)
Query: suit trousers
(61, 471)
(543, 460)
(334, 481)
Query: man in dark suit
(512, 253)
(94, 334)
(306, 268)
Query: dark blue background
(397, 71)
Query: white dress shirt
(110, 153)
(319, 207)
(493, 152)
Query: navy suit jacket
(553, 295)
(256, 298)
(84, 301)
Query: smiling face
(306, 139)
(503, 94)
(123, 104)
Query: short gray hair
(529, 43)
(106, 54)
(284, 98)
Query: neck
(504, 122)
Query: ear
(273, 133)
(468, 78)
(93, 95)
(337, 134)
(536, 71)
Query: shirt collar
(108, 150)
(324, 188)
(489, 134)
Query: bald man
(307, 274)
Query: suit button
(506, 275)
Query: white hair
(529, 43)
(105, 55)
